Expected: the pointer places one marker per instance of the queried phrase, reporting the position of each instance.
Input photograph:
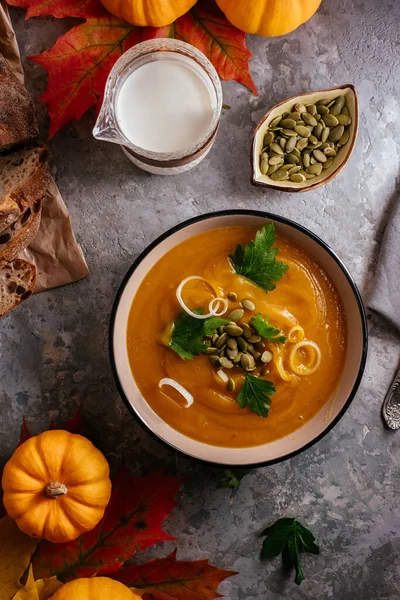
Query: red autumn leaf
(132, 522)
(169, 579)
(80, 61)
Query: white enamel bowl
(310, 432)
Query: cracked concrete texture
(54, 348)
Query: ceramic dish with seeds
(238, 338)
(304, 142)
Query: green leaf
(255, 394)
(289, 537)
(213, 323)
(257, 260)
(233, 478)
(187, 336)
(268, 332)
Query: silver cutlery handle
(391, 404)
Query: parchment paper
(55, 252)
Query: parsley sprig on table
(233, 477)
(255, 393)
(188, 333)
(267, 331)
(257, 260)
(289, 537)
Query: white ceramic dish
(291, 444)
(258, 179)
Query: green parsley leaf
(289, 538)
(188, 333)
(255, 393)
(268, 332)
(257, 260)
(233, 478)
(187, 336)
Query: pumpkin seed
(322, 102)
(294, 115)
(336, 133)
(264, 166)
(232, 296)
(214, 360)
(211, 350)
(245, 361)
(294, 170)
(320, 156)
(276, 148)
(247, 331)
(338, 105)
(257, 356)
(288, 123)
(248, 304)
(291, 143)
(311, 109)
(292, 159)
(306, 159)
(318, 130)
(232, 353)
(322, 110)
(297, 177)
(325, 134)
(250, 347)
(234, 330)
(313, 160)
(344, 139)
(266, 356)
(221, 340)
(317, 117)
(330, 120)
(289, 132)
(268, 138)
(303, 131)
(255, 338)
(315, 169)
(300, 108)
(328, 164)
(345, 111)
(282, 143)
(344, 119)
(272, 169)
(313, 140)
(285, 167)
(330, 104)
(242, 344)
(236, 315)
(329, 151)
(279, 175)
(260, 346)
(264, 371)
(237, 359)
(309, 119)
(232, 343)
(230, 385)
(275, 160)
(301, 144)
(226, 363)
(275, 122)
(310, 175)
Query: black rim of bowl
(270, 217)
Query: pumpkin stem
(54, 489)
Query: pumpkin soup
(236, 337)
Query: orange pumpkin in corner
(56, 486)
(149, 13)
(269, 18)
(95, 588)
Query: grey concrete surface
(53, 350)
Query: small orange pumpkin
(95, 588)
(56, 486)
(145, 13)
(268, 17)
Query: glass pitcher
(107, 127)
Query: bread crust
(12, 275)
(26, 232)
(18, 125)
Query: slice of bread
(24, 178)
(17, 282)
(19, 234)
(17, 113)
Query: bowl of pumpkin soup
(238, 338)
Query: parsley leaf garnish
(233, 477)
(289, 537)
(188, 333)
(267, 331)
(255, 394)
(257, 260)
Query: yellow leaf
(16, 549)
(47, 587)
(29, 591)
